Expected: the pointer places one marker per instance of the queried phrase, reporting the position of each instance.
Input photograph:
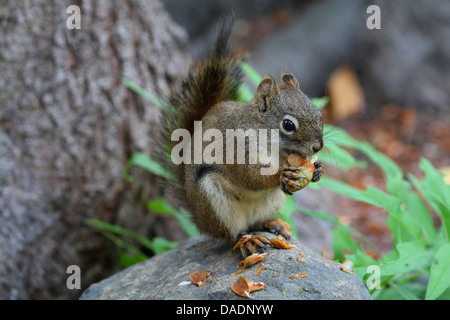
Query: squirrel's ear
(290, 80)
(267, 88)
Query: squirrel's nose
(316, 147)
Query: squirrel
(230, 200)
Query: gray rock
(162, 276)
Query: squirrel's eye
(288, 125)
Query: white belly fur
(238, 208)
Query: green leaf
(115, 229)
(434, 182)
(322, 215)
(445, 217)
(338, 187)
(445, 295)
(409, 290)
(371, 195)
(157, 245)
(392, 172)
(147, 95)
(402, 291)
(382, 199)
(361, 261)
(251, 73)
(127, 260)
(341, 137)
(422, 215)
(410, 257)
(320, 102)
(400, 221)
(343, 241)
(327, 217)
(159, 205)
(439, 274)
(436, 192)
(142, 160)
(404, 228)
(186, 224)
(245, 94)
(336, 155)
(128, 255)
(161, 245)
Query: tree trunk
(67, 129)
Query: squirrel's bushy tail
(210, 80)
(215, 78)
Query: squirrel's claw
(278, 226)
(260, 241)
(319, 170)
(292, 180)
(250, 244)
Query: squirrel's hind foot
(278, 226)
(250, 244)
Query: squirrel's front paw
(318, 171)
(292, 180)
(296, 178)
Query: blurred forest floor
(405, 136)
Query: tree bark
(67, 129)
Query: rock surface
(166, 276)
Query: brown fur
(227, 199)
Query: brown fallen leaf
(199, 278)
(205, 246)
(241, 287)
(298, 275)
(255, 286)
(239, 271)
(301, 257)
(252, 260)
(260, 269)
(347, 266)
(280, 243)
